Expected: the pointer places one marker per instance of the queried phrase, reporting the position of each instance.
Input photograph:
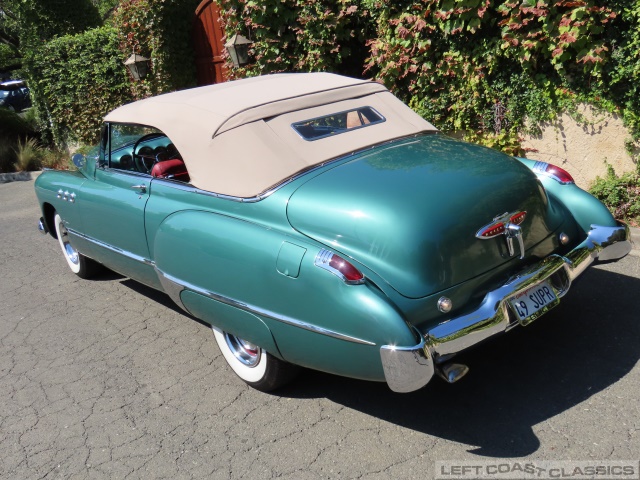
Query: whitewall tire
(254, 365)
(79, 264)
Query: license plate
(534, 302)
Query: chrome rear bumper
(410, 368)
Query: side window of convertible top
(145, 150)
(335, 123)
(131, 147)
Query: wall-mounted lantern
(138, 66)
(238, 48)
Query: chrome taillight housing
(558, 174)
(337, 265)
(499, 225)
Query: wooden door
(207, 38)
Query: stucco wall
(582, 148)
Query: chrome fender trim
(174, 287)
(112, 248)
(409, 368)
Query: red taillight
(560, 174)
(518, 218)
(553, 171)
(492, 230)
(339, 267)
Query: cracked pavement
(108, 379)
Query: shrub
(13, 128)
(28, 155)
(621, 194)
(56, 159)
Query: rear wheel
(256, 367)
(79, 264)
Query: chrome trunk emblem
(507, 224)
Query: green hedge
(42, 20)
(76, 80)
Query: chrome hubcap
(72, 253)
(246, 352)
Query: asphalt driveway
(108, 379)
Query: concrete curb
(635, 241)
(18, 176)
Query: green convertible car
(315, 220)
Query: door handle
(142, 188)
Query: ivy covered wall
(477, 66)
(159, 30)
(302, 35)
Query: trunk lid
(410, 211)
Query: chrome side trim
(169, 182)
(494, 315)
(180, 285)
(127, 254)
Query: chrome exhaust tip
(452, 372)
(42, 227)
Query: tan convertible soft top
(236, 138)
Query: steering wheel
(140, 158)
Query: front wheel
(256, 367)
(79, 264)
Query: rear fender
(584, 207)
(316, 319)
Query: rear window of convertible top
(336, 123)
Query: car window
(146, 150)
(335, 123)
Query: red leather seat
(174, 169)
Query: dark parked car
(14, 95)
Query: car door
(113, 206)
